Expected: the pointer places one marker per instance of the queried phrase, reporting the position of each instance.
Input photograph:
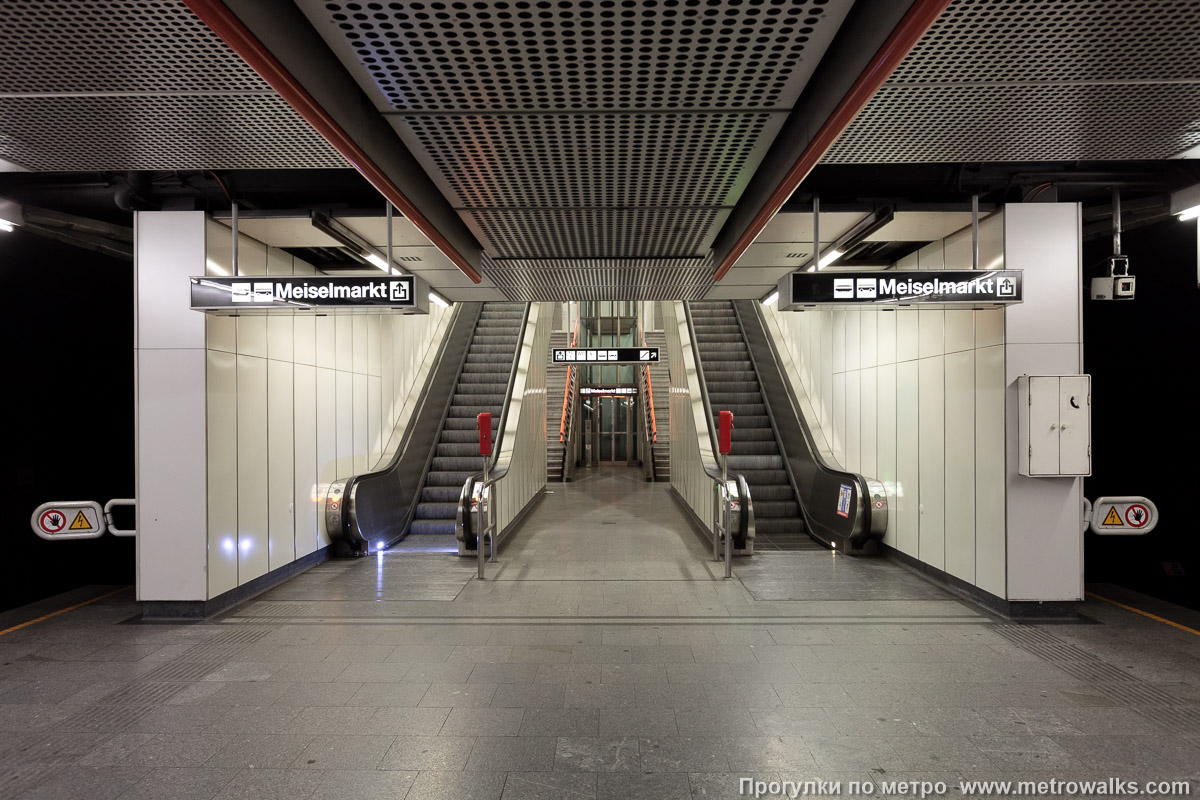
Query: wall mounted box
(1054, 425)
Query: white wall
(294, 404)
(524, 444)
(910, 397)
(925, 401)
(1045, 531)
(242, 421)
(169, 395)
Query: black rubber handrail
(817, 484)
(380, 505)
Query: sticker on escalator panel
(1113, 519)
(843, 504)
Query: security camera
(1114, 286)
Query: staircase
(733, 386)
(660, 387)
(482, 386)
(556, 384)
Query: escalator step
(753, 463)
(437, 511)
(765, 509)
(432, 527)
(457, 479)
(441, 494)
(457, 463)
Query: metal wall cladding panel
(115, 46)
(596, 233)
(590, 159)
(146, 132)
(580, 54)
(532, 280)
(1022, 123)
(978, 42)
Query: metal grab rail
(649, 395)
(562, 419)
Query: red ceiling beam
(217, 16)
(912, 27)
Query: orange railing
(562, 424)
(650, 394)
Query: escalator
(413, 499)
(801, 499)
(482, 387)
(732, 385)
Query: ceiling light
(438, 300)
(771, 298)
(1186, 202)
(6, 226)
(376, 259)
(830, 257)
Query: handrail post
(480, 525)
(726, 515)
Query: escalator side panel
(820, 487)
(384, 502)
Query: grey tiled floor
(602, 659)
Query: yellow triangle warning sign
(80, 523)
(1112, 518)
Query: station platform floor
(604, 657)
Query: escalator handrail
(349, 522)
(711, 469)
(498, 444)
(873, 524)
(499, 461)
(562, 420)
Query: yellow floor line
(1154, 617)
(62, 611)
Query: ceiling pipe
(222, 21)
(912, 27)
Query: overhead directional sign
(901, 288)
(1123, 516)
(68, 519)
(607, 355)
(305, 291)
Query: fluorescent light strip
(829, 258)
(6, 226)
(438, 300)
(1184, 216)
(771, 298)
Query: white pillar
(1043, 336)
(169, 394)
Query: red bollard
(483, 423)
(725, 433)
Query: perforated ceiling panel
(539, 280)
(137, 84)
(148, 132)
(581, 54)
(584, 233)
(992, 81)
(586, 129)
(620, 160)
